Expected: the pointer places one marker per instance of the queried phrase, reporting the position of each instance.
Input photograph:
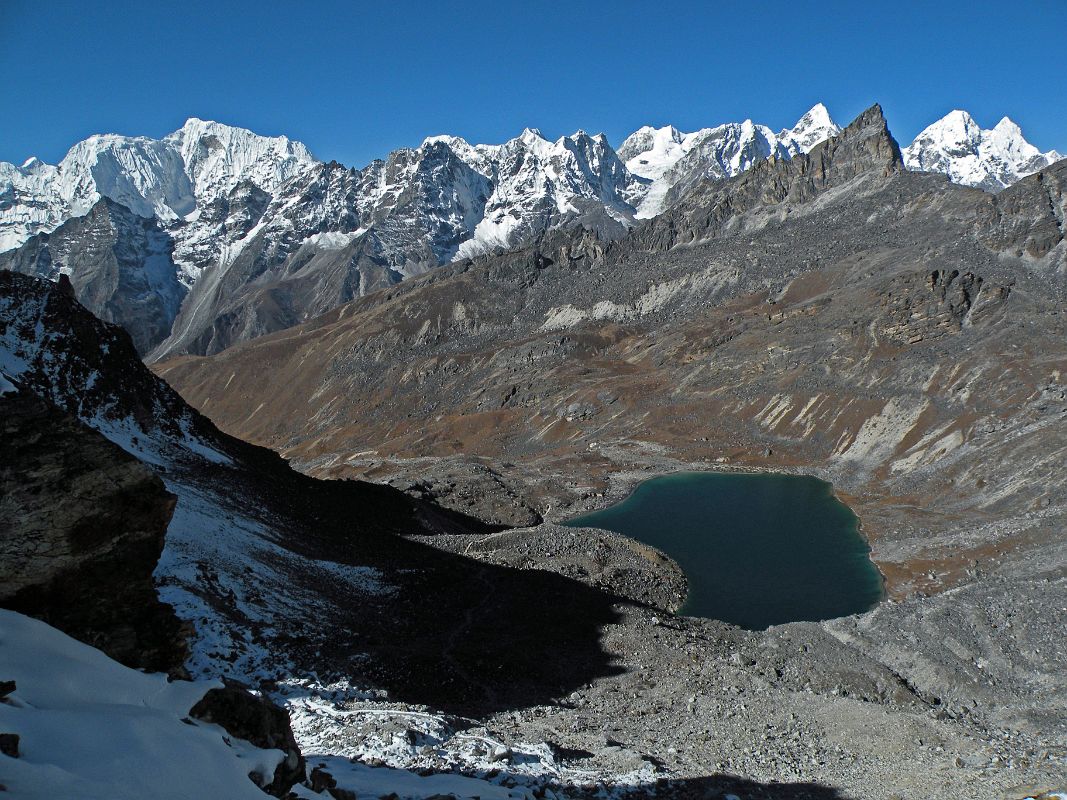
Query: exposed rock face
(302, 256)
(9, 744)
(82, 527)
(120, 265)
(59, 351)
(1029, 219)
(675, 162)
(261, 722)
(772, 188)
(333, 234)
(919, 307)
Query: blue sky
(355, 80)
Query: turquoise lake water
(758, 549)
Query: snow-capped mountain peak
(217, 157)
(650, 151)
(990, 159)
(452, 141)
(33, 164)
(956, 133)
(169, 178)
(1008, 127)
(536, 184)
(672, 161)
(814, 127)
(145, 175)
(1007, 138)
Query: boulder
(259, 721)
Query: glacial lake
(757, 549)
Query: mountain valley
(460, 347)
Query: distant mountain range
(245, 234)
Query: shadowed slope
(445, 630)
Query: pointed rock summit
(711, 208)
(864, 144)
(116, 263)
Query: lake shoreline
(791, 567)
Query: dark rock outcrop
(81, 530)
(1030, 217)
(259, 721)
(120, 267)
(81, 364)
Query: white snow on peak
(169, 178)
(649, 152)
(989, 159)
(668, 158)
(814, 127)
(33, 164)
(455, 142)
(536, 184)
(217, 157)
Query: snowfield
(93, 729)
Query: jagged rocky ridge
(120, 266)
(286, 237)
(674, 162)
(448, 199)
(279, 237)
